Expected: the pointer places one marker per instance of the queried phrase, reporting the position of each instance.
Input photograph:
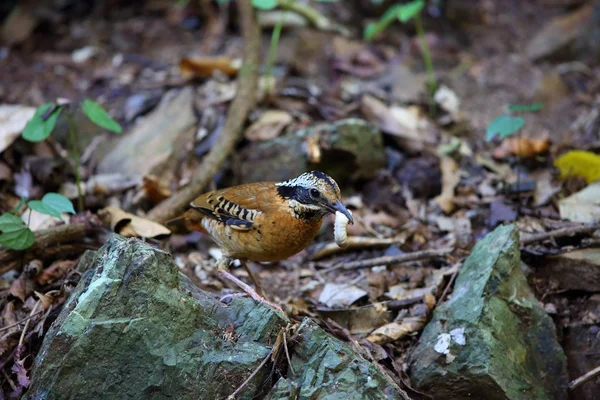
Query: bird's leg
(254, 279)
(222, 265)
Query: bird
(264, 221)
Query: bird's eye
(314, 192)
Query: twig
(447, 288)
(313, 16)
(37, 303)
(287, 353)
(569, 231)
(7, 327)
(389, 260)
(232, 130)
(252, 375)
(574, 384)
(44, 240)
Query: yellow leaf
(579, 163)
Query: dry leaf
(339, 295)
(450, 179)
(313, 148)
(130, 225)
(579, 163)
(268, 126)
(394, 330)
(523, 147)
(583, 206)
(204, 67)
(405, 123)
(22, 287)
(55, 272)
(13, 119)
(156, 189)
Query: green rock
(326, 368)
(136, 329)
(500, 342)
(351, 149)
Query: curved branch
(232, 130)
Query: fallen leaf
(500, 212)
(270, 124)
(55, 272)
(339, 295)
(405, 123)
(583, 206)
(578, 163)
(523, 147)
(358, 320)
(156, 189)
(22, 287)
(401, 292)
(130, 225)
(13, 119)
(394, 330)
(448, 101)
(204, 67)
(450, 179)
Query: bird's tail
(187, 222)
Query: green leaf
(503, 126)
(15, 234)
(38, 129)
(373, 29)
(526, 107)
(52, 204)
(264, 4)
(99, 116)
(409, 10)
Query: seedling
(16, 235)
(405, 13)
(43, 122)
(507, 125)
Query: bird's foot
(232, 296)
(251, 292)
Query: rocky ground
(473, 269)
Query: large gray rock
(492, 340)
(136, 328)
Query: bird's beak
(338, 206)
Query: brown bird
(264, 221)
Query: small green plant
(43, 122)
(266, 5)
(405, 13)
(16, 235)
(506, 125)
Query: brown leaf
(156, 189)
(21, 288)
(204, 67)
(450, 179)
(523, 147)
(130, 225)
(13, 119)
(270, 124)
(55, 271)
(394, 330)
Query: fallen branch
(391, 260)
(232, 130)
(574, 384)
(563, 232)
(46, 243)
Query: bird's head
(313, 194)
